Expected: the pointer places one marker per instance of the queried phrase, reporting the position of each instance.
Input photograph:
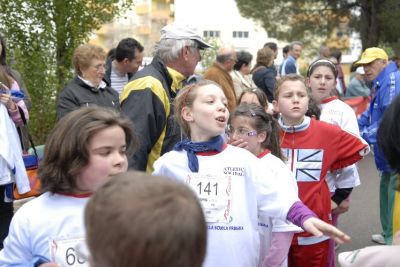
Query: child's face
(208, 116)
(249, 98)
(321, 82)
(292, 102)
(107, 157)
(241, 128)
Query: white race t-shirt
(241, 188)
(40, 224)
(335, 111)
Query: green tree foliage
(306, 20)
(210, 54)
(41, 36)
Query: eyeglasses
(241, 132)
(99, 66)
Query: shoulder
(325, 127)
(172, 157)
(111, 91)
(33, 207)
(371, 256)
(72, 86)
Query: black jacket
(77, 94)
(147, 101)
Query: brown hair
(185, 98)
(261, 96)
(322, 62)
(265, 57)
(137, 219)
(261, 121)
(289, 77)
(5, 78)
(66, 150)
(84, 54)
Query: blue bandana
(215, 144)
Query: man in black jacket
(147, 98)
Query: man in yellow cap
(385, 78)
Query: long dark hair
(3, 56)
(262, 121)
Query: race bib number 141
(214, 193)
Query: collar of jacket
(83, 84)
(160, 66)
(296, 128)
(177, 79)
(391, 67)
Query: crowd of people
(236, 166)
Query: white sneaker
(378, 238)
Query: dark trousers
(6, 213)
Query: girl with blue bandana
(232, 185)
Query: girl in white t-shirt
(251, 124)
(85, 149)
(231, 183)
(321, 79)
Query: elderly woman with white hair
(87, 87)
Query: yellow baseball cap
(371, 54)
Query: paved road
(362, 220)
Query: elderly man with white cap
(385, 78)
(147, 98)
(357, 85)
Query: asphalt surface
(362, 220)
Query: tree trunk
(369, 24)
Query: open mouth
(221, 119)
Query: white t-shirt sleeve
(273, 199)
(17, 246)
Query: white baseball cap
(180, 32)
(360, 70)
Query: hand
(7, 101)
(318, 228)
(239, 143)
(333, 205)
(342, 208)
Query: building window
(240, 34)
(214, 34)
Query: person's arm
(16, 250)
(282, 202)
(349, 149)
(18, 78)
(279, 249)
(300, 215)
(270, 81)
(147, 113)
(66, 102)
(370, 257)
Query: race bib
(214, 193)
(64, 252)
